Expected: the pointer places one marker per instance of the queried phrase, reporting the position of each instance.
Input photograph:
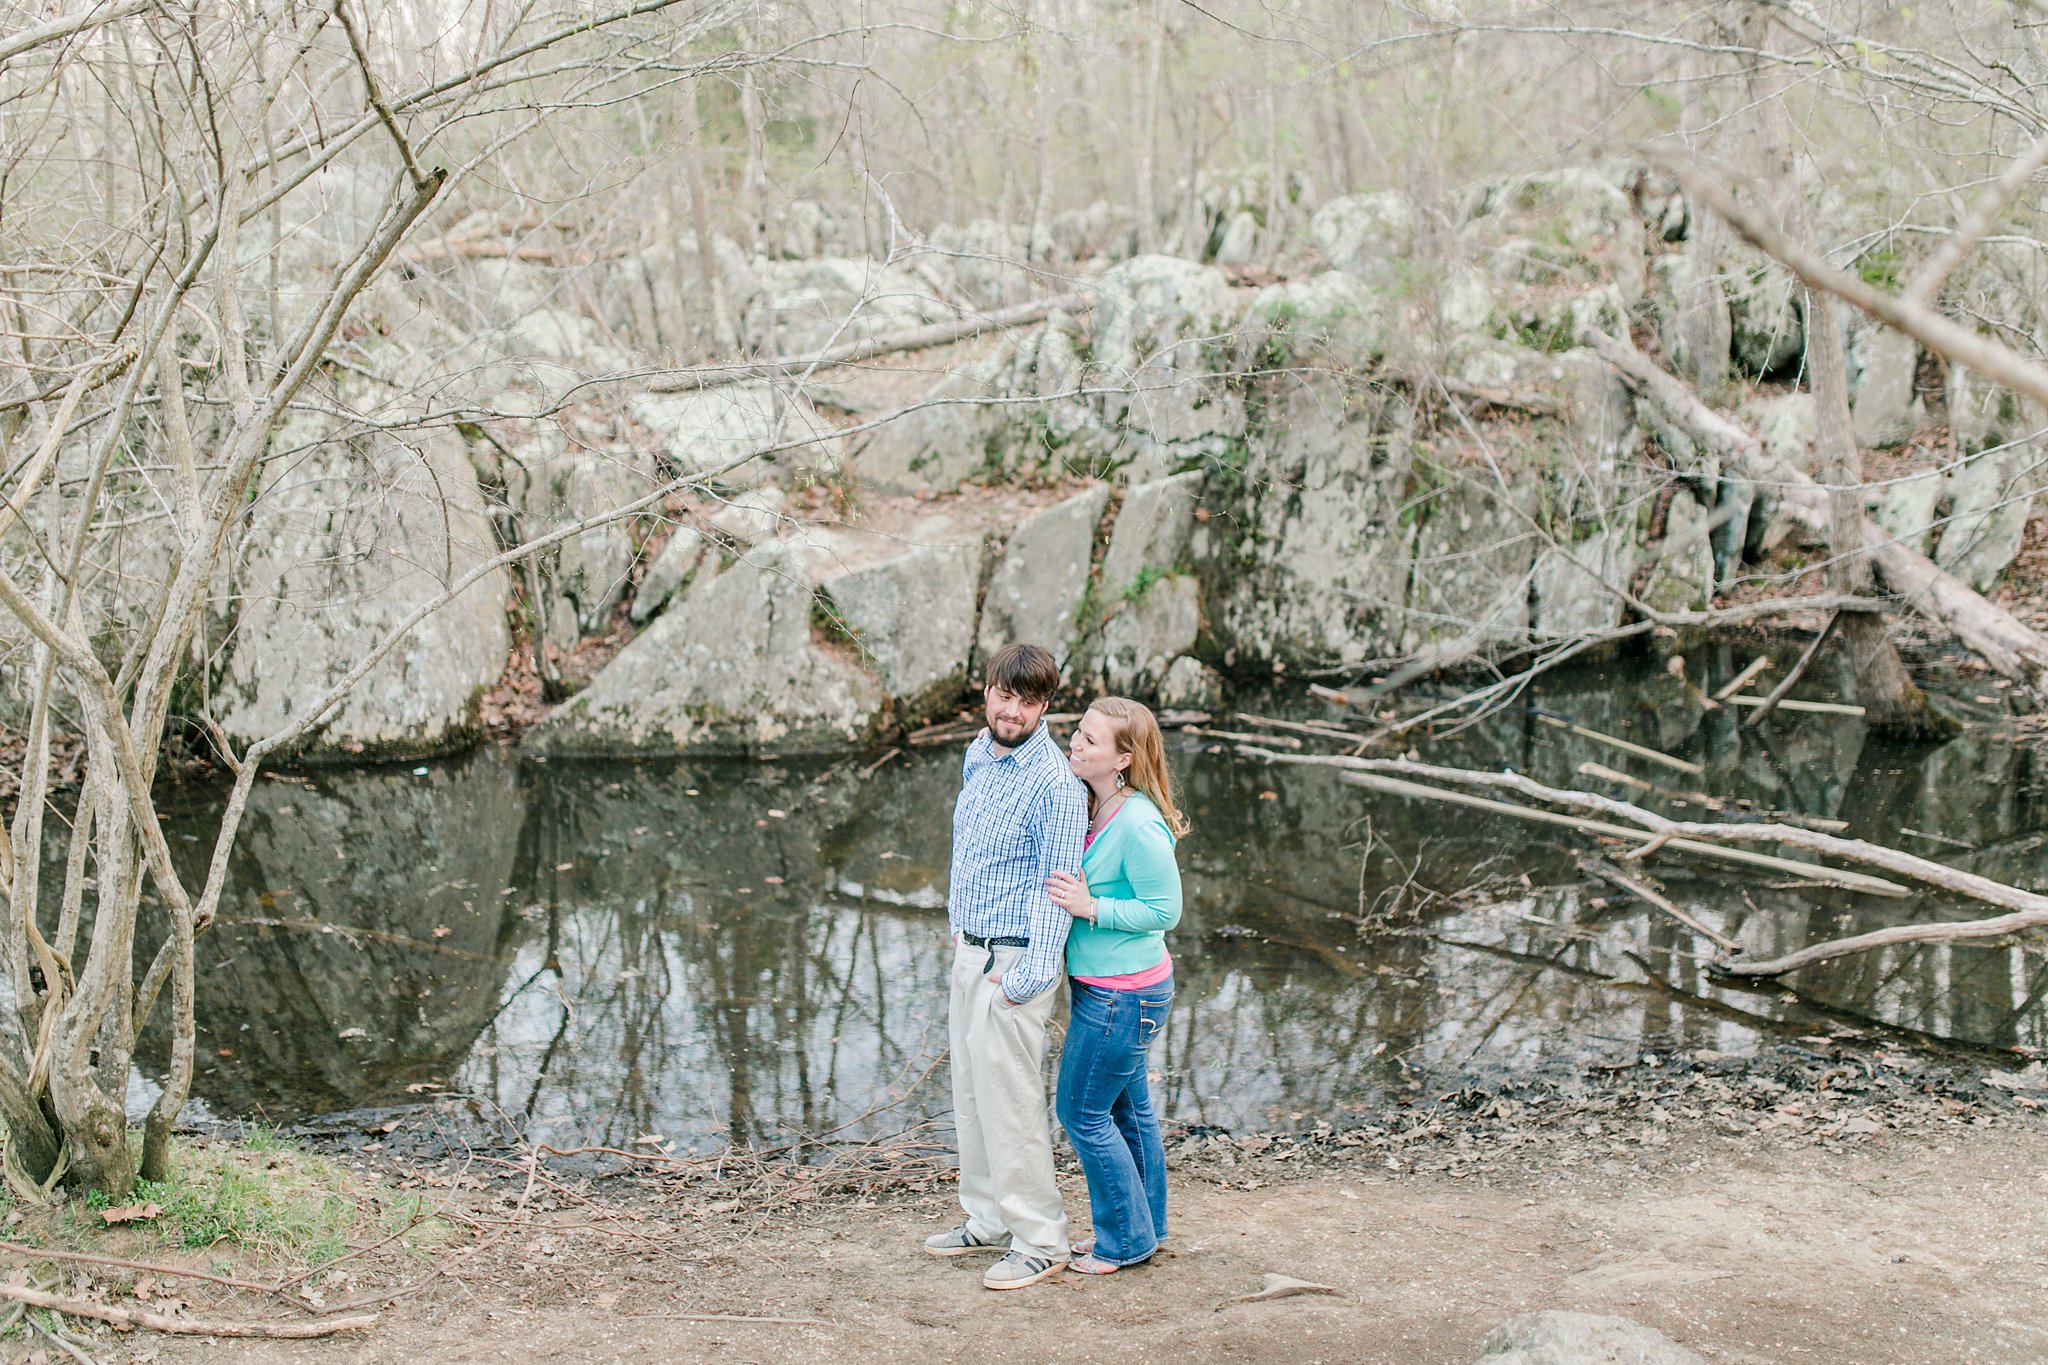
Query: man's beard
(1007, 734)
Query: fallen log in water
(2027, 909)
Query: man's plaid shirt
(1020, 818)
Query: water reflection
(752, 951)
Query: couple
(1062, 866)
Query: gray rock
(1371, 236)
(1785, 425)
(1904, 507)
(1153, 530)
(1568, 226)
(1473, 555)
(1192, 685)
(1240, 239)
(1558, 1338)
(1990, 497)
(708, 431)
(752, 517)
(1147, 630)
(1148, 308)
(1316, 566)
(983, 261)
(810, 304)
(1577, 589)
(1684, 577)
(1464, 302)
(344, 543)
(1036, 591)
(913, 618)
(1680, 302)
(731, 668)
(1766, 331)
(551, 485)
(655, 298)
(668, 573)
(944, 445)
(1333, 317)
(1884, 408)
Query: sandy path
(1916, 1250)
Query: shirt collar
(988, 743)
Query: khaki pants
(1006, 1181)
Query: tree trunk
(723, 340)
(1154, 35)
(1873, 672)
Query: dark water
(709, 950)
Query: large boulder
(1154, 532)
(1883, 403)
(657, 300)
(1684, 577)
(1904, 505)
(735, 667)
(1473, 552)
(1151, 625)
(942, 445)
(550, 484)
(983, 261)
(1159, 311)
(1767, 328)
(1040, 582)
(1371, 236)
(668, 572)
(1578, 588)
(737, 433)
(1569, 227)
(1331, 318)
(1160, 324)
(1310, 549)
(806, 305)
(344, 543)
(1559, 1338)
(1990, 498)
(912, 616)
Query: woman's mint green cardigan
(1136, 886)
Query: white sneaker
(959, 1242)
(1016, 1270)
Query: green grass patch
(261, 1195)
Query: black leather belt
(992, 944)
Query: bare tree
(153, 371)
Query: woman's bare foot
(1087, 1263)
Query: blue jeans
(1106, 1108)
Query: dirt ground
(1900, 1247)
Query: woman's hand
(1070, 893)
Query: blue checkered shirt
(1020, 818)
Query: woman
(1126, 899)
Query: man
(1020, 818)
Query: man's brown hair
(1028, 670)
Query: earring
(1119, 779)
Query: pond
(743, 951)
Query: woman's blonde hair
(1136, 732)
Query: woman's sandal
(1088, 1264)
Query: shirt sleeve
(1154, 903)
(1058, 830)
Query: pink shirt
(1129, 981)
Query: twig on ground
(189, 1327)
(734, 1317)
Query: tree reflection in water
(600, 955)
